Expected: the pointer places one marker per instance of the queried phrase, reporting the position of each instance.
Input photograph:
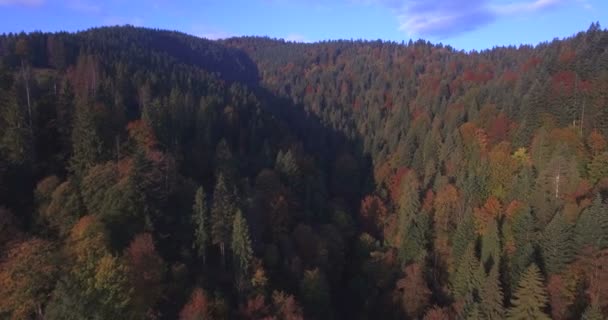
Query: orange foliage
(596, 142)
(414, 291)
(197, 308)
(146, 270)
(436, 313)
(142, 133)
(491, 210)
(395, 183)
(560, 298)
(372, 214)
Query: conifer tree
(592, 226)
(557, 245)
(491, 296)
(409, 205)
(85, 141)
(241, 243)
(222, 212)
(490, 243)
(593, 312)
(466, 277)
(530, 298)
(200, 217)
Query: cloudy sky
(463, 24)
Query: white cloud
(444, 18)
(28, 3)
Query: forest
(150, 174)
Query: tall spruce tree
(530, 298)
(557, 244)
(201, 219)
(222, 212)
(242, 252)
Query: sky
(462, 24)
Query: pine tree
(557, 245)
(592, 226)
(414, 243)
(409, 205)
(466, 277)
(491, 296)
(464, 235)
(241, 243)
(222, 212)
(490, 243)
(593, 312)
(530, 298)
(85, 141)
(15, 138)
(200, 216)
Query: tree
(591, 228)
(85, 141)
(593, 312)
(466, 277)
(27, 277)
(197, 308)
(146, 271)
(15, 138)
(415, 293)
(491, 295)
(201, 219)
(409, 205)
(557, 245)
(315, 294)
(241, 248)
(530, 298)
(222, 212)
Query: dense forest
(149, 174)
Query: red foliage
(395, 183)
(531, 64)
(558, 297)
(563, 83)
(499, 128)
(510, 77)
(197, 308)
(372, 214)
(415, 294)
(143, 135)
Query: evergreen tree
(491, 303)
(15, 139)
(557, 245)
(241, 244)
(490, 243)
(467, 274)
(222, 212)
(414, 243)
(409, 205)
(85, 141)
(593, 312)
(530, 298)
(592, 226)
(200, 217)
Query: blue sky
(463, 24)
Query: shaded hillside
(152, 174)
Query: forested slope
(152, 174)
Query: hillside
(152, 174)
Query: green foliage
(241, 245)
(591, 228)
(201, 219)
(530, 298)
(557, 244)
(491, 296)
(222, 212)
